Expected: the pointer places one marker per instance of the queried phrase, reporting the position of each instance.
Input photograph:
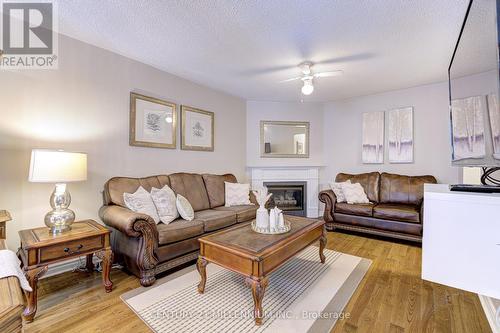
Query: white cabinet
(461, 240)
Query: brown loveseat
(147, 249)
(395, 208)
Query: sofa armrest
(130, 223)
(139, 226)
(329, 199)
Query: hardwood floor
(391, 297)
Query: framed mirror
(284, 139)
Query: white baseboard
(492, 310)
(66, 266)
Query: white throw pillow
(165, 202)
(140, 202)
(337, 189)
(354, 193)
(184, 208)
(237, 194)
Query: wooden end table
(11, 302)
(39, 248)
(4, 217)
(255, 255)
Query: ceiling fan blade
(292, 79)
(328, 74)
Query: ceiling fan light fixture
(308, 87)
(305, 67)
(308, 76)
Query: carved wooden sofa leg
(148, 277)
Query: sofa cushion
(184, 208)
(237, 194)
(374, 223)
(141, 202)
(215, 219)
(177, 249)
(215, 188)
(403, 189)
(337, 189)
(191, 187)
(354, 209)
(165, 202)
(397, 212)
(115, 187)
(354, 193)
(243, 213)
(179, 230)
(369, 181)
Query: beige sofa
(147, 249)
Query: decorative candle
(273, 220)
(262, 217)
(281, 221)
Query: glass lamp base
(60, 218)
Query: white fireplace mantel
(308, 174)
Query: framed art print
(468, 127)
(494, 113)
(372, 150)
(197, 129)
(153, 122)
(400, 135)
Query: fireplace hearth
(289, 197)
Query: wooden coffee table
(255, 255)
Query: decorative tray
(269, 231)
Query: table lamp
(59, 167)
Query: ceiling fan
(308, 76)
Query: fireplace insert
(288, 196)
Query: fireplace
(308, 175)
(288, 196)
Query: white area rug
(303, 296)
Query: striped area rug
(303, 295)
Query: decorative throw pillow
(140, 202)
(337, 189)
(165, 202)
(237, 194)
(354, 193)
(184, 207)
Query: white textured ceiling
(245, 47)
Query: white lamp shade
(56, 166)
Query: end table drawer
(69, 249)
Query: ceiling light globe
(307, 88)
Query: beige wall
(84, 106)
(432, 145)
(432, 151)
